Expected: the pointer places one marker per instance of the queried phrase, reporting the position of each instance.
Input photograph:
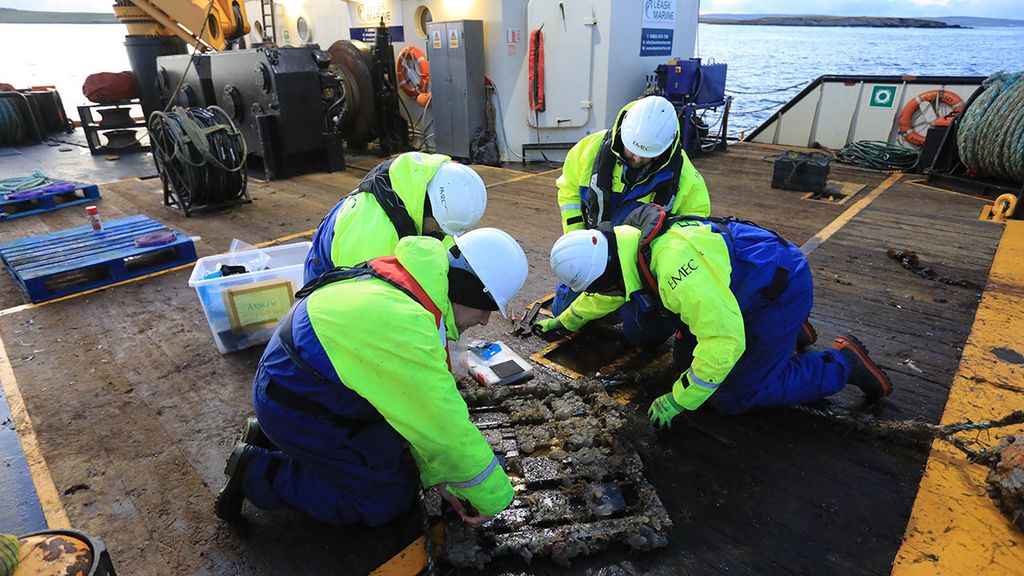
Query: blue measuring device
(489, 350)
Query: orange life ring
(907, 115)
(413, 72)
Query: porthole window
(304, 29)
(423, 17)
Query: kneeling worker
(358, 370)
(741, 291)
(410, 195)
(610, 173)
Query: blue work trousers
(336, 473)
(768, 374)
(642, 324)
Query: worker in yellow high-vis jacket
(743, 292)
(357, 370)
(409, 195)
(610, 173)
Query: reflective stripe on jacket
(710, 276)
(384, 347)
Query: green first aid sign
(883, 97)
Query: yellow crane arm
(224, 20)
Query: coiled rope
(990, 136)
(877, 156)
(12, 127)
(22, 183)
(200, 155)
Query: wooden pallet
(70, 261)
(48, 201)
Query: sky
(924, 8)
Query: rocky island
(847, 21)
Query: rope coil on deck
(22, 183)
(990, 136)
(877, 156)
(200, 155)
(12, 127)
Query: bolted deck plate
(580, 486)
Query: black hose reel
(200, 156)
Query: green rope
(12, 129)
(877, 156)
(990, 136)
(22, 183)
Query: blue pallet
(79, 259)
(48, 201)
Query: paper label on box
(258, 305)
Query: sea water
(770, 60)
(60, 55)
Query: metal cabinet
(456, 54)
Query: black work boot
(807, 336)
(229, 500)
(252, 433)
(864, 373)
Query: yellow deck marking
(413, 558)
(523, 177)
(23, 307)
(955, 529)
(136, 178)
(508, 169)
(539, 358)
(924, 184)
(847, 189)
(309, 232)
(848, 215)
(49, 499)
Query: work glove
(465, 510)
(663, 410)
(548, 325)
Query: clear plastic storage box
(243, 309)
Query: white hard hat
(496, 259)
(649, 127)
(457, 196)
(579, 258)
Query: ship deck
(125, 410)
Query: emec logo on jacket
(685, 270)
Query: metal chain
(912, 428)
